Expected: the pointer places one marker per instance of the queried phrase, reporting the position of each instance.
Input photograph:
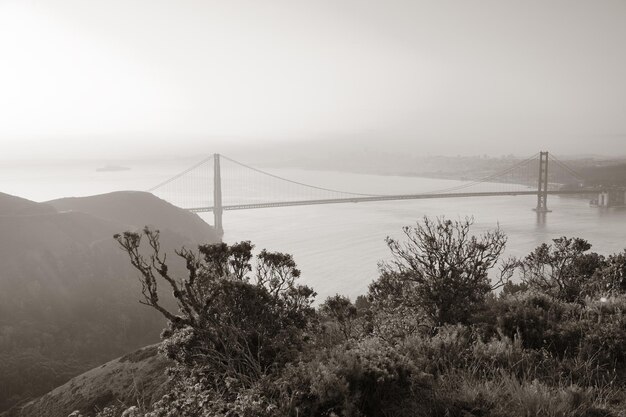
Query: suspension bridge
(218, 183)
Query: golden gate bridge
(218, 183)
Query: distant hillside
(139, 209)
(11, 205)
(613, 174)
(68, 296)
(136, 378)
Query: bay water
(338, 246)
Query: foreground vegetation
(442, 332)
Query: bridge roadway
(386, 198)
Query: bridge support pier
(542, 187)
(217, 196)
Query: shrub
(540, 321)
(610, 279)
(230, 326)
(441, 269)
(563, 270)
(431, 338)
(605, 332)
(507, 396)
(340, 311)
(369, 378)
(437, 354)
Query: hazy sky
(81, 77)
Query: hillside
(68, 296)
(11, 205)
(137, 209)
(612, 174)
(134, 379)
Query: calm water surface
(337, 247)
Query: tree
(341, 310)
(563, 270)
(226, 326)
(610, 278)
(441, 270)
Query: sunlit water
(337, 247)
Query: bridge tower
(217, 196)
(542, 188)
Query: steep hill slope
(139, 209)
(134, 379)
(68, 296)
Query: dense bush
(441, 269)
(431, 338)
(368, 378)
(563, 270)
(233, 331)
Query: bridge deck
(385, 198)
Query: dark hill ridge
(68, 295)
(136, 208)
(11, 205)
